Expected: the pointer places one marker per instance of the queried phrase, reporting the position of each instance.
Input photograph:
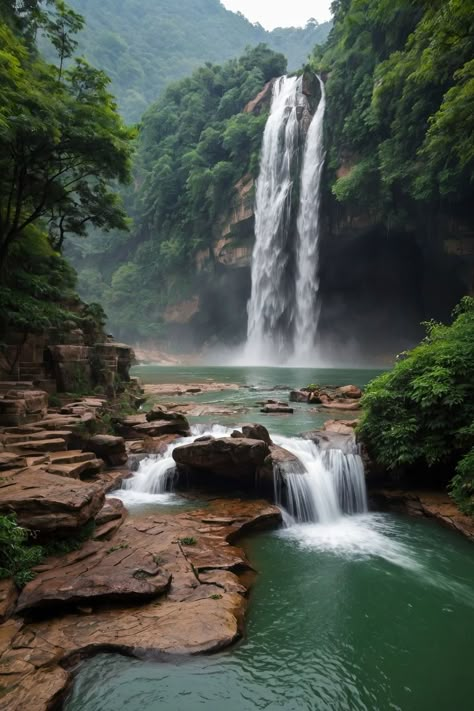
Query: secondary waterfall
(283, 309)
(331, 484)
(307, 281)
(319, 487)
(270, 308)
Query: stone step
(10, 460)
(77, 470)
(37, 435)
(72, 456)
(6, 385)
(42, 445)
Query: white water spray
(270, 307)
(308, 227)
(331, 485)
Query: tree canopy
(62, 147)
(144, 45)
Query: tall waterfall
(307, 282)
(283, 309)
(270, 307)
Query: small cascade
(154, 476)
(270, 307)
(308, 228)
(330, 484)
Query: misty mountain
(143, 45)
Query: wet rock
(298, 396)
(433, 504)
(344, 427)
(159, 413)
(226, 458)
(280, 409)
(201, 612)
(278, 463)
(350, 391)
(345, 441)
(256, 431)
(340, 405)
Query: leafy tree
(421, 414)
(17, 558)
(61, 145)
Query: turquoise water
(257, 384)
(379, 617)
(372, 612)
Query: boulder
(341, 405)
(350, 391)
(158, 413)
(277, 409)
(226, 458)
(279, 462)
(345, 441)
(256, 431)
(36, 401)
(109, 448)
(49, 504)
(96, 572)
(298, 396)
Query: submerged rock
(299, 396)
(277, 409)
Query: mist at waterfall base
(283, 309)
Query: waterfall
(308, 227)
(283, 310)
(332, 483)
(270, 306)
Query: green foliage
(422, 412)
(61, 140)
(462, 485)
(143, 45)
(194, 145)
(188, 541)
(17, 557)
(400, 103)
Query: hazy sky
(281, 13)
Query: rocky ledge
(433, 504)
(165, 584)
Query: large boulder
(158, 413)
(48, 504)
(326, 439)
(227, 458)
(256, 431)
(277, 464)
(109, 448)
(350, 391)
(299, 396)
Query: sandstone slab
(226, 458)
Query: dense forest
(400, 99)
(143, 45)
(62, 146)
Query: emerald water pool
(369, 612)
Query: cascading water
(270, 307)
(283, 310)
(320, 486)
(331, 484)
(308, 227)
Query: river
(373, 611)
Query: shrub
(422, 412)
(17, 558)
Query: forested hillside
(194, 145)
(143, 45)
(401, 105)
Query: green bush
(422, 412)
(17, 557)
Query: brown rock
(226, 458)
(49, 504)
(339, 405)
(278, 463)
(109, 448)
(350, 391)
(10, 460)
(298, 396)
(8, 598)
(277, 410)
(256, 431)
